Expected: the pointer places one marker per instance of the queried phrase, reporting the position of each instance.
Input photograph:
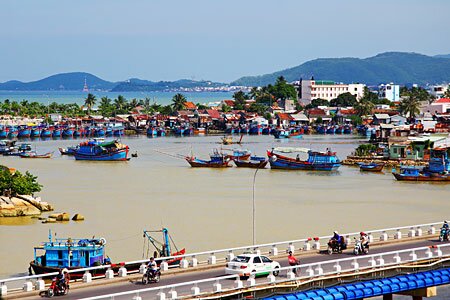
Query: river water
(209, 208)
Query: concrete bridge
(201, 275)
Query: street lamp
(254, 206)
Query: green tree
(106, 107)
(226, 108)
(447, 92)
(364, 107)
(239, 100)
(258, 108)
(283, 90)
(17, 183)
(317, 102)
(179, 102)
(121, 104)
(90, 102)
(343, 100)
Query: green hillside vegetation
(150, 86)
(398, 67)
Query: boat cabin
(322, 157)
(67, 253)
(410, 171)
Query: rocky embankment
(22, 205)
(390, 163)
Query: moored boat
(255, 162)
(68, 150)
(98, 150)
(371, 167)
(200, 163)
(316, 161)
(242, 154)
(36, 155)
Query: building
(389, 91)
(440, 106)
(438, 91)
(309, 90)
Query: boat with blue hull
(98, 150)
(46, 132)
(371, 167)
(316, 161)
(68, 132)
(35, 132)
(24, 132)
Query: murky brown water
(207, 208)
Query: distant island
(399, 67)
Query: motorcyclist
(61, 280)
(339, 240)
(293, 262)
(445, 225)
(152, 266)
(364, 238)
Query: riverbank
(389, 163)
(23, 205)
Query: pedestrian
(293, 262)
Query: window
(395, 150)
(266, 259)
(243, 259)
(256, 260)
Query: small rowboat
(371, 167)
(68, 150)
(255, 162)
(35, 155)
(199, 163)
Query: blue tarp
(373, 288)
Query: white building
(389, 91)
(440, 106)
(438, 91)
(328, 90)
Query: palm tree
(447, 92)
(364, 107)
(105, 106)
(410, 106)
(120, 103)
(89, 102)
(179, 102)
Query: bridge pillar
(398, 235)
(230, 256)
(397, 258)
(184, 263)
(383, 236)
(432, 230)
(212, 260)
(164, 266)
(122, 272)
(217, 287)
(3, 289)
(195, 290)
(173, 294)
(194, 261)
(87, 277)
(39, 285)
(412, 232)
(28, 286)
(419, 231)
(274, 250)
(142, 269)
(109, 274)
(161, 295)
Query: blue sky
(207, 39)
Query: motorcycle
(151, 276)
(360, 248)
(443, 236)
(335, 247)
(57, 289)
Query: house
(315, 113)
(381, 119)
(398, 120)
(416, 148)
(440, 106)
(283, 119)
(229, 103)
(190, 106)
(299, 119)
(343, 115)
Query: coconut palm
(120, 103)
(90, 102)
(179, 102)
(364, 107)
(410, 106)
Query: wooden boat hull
(197, 163)
(371, 168)
(119, 155)
(436, 178)
(32, 155)
(238, 157)
(251, 164)
(286, 163)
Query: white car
(245, 264)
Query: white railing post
(195, 290)
(230, 255)
(290, 274)
(319, 270)
(161, 295)
(432, 230)
(413, 255)
(122, 271)
(184, 263)
(109, 274)
(87, 277)
(355, 265)
(316, 245)
(274, 250)
(271, 278)
(291, 248)
(28, 286)
(173, 294)
(39, 285)
(256, 251)
(348, 240)
(310, 272)
(397, 258)
(370, 236)
(194, 261)
(438, 251)
(3, 289)
(398, 235)
(238, 284)
(372, 262)
(164, 266)
(142, 268)
(137, 297)
(429, 253)
(337, 267)
(307, 245)
(217, 287)
(419, 231)
(383, 237)
(380, 261)
(212, 260)
(411, 232)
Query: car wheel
(276, 272)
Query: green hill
(63, 82)
(398, 67)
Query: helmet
(290, 252)
(362, 233)
(445, 221)
(335, 232)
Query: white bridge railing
(212, 257)
(305, 273)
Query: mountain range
(399, 67)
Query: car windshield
(242, 259)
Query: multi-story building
(438, 91)
(389, 91)
(311, 89)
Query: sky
(214, 40)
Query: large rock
(63, 217)
(16, 207)
(78, 217)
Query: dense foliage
(365, 149)
(17, 183)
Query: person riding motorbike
(152, 266)
(364, 238)
(61, 280)
(339, 239)
(445, 225)
(293, 262)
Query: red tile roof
(443, 100)
(316, 112)
(190, 105)
(229, 102)
(215, 114)
(284, 116)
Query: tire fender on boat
(102, 241)
(273, 158)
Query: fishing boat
(68, 132)
(46, 132)
(35, 155)
(24, 132)
(98, 150)
(7, 146)
(164, 248)
(68, 150)
(371, 167)
(255, 162)
(13, 132)
(281, 133)
(316, 161)
(218, 160)
(3, 132)
(35, 132)
(71, 254)
(242, 154)
(17, 151)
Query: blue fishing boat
(98, 150)
(99, 131)
(230, 130)
(35, 132)
(71, 254)
(68, 151)
(151, 131)
(316, 161)
(118, 131)
(178, 131)
(255, 162)
(266, 130)
(331, 130)
(46, 132)
(108, 131)
(347, 129)
(161, 132)
(3, 132)
(255, 129)
(24, 132)
(371, 167)
(68, 132)
(13, 132)
(281, 133)
(57, 132)
(321, 129)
